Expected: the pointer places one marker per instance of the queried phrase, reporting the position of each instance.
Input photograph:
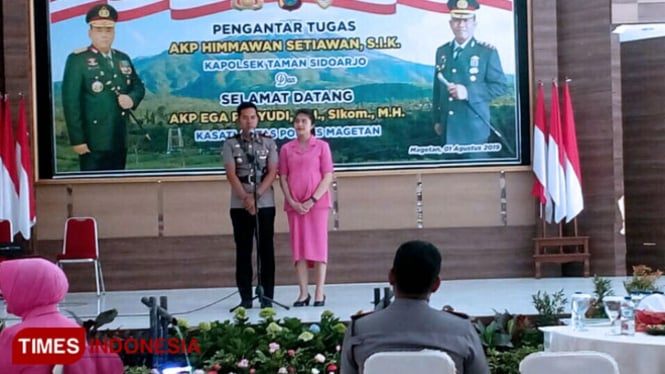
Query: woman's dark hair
(310, 114)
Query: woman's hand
(301, 208)
(308, 204)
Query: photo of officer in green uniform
(99, 88)
(467, 77)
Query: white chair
(416, 362)
(586, 362)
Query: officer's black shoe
(266, 304)
(247, 304)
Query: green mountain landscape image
(178, 83)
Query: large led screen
(390, 86)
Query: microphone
(255, 136)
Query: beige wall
(190, 207)
(637, 11)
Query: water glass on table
(580, 305)
(612, 306)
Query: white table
(639, 354)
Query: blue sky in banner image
(418, 31)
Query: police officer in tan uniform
(99, 87)
(251, 161)
(409, 323)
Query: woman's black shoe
(320, 303)
(302, 302)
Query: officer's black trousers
(243, 234)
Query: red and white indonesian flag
(556, 159)
(8, 175)
(540, 148)
(574, 198)
(25, 216)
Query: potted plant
(602, 287)
(550, 307)
(643, 281)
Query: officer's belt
(248, 179)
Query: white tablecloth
(639, 354)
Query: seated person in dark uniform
(410, 324)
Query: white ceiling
(637, 32)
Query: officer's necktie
(456, 52)
(109, 60)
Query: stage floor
(473, 297)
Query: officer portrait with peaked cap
(99, 88)
(467, 76)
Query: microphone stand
(259, 292)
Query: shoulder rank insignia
(360, 314)
(486, 45)
(449, 309)
(80, 50)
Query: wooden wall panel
(355, 256)
(16, 48)
(586, 54)
(644, 136)
(544, 44)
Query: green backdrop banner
(388, 87)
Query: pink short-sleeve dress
(304, 168)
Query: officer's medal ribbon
(474, 62)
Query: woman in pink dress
(305, 175)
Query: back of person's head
(244, 105)
(416, 267)
(30, 283)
